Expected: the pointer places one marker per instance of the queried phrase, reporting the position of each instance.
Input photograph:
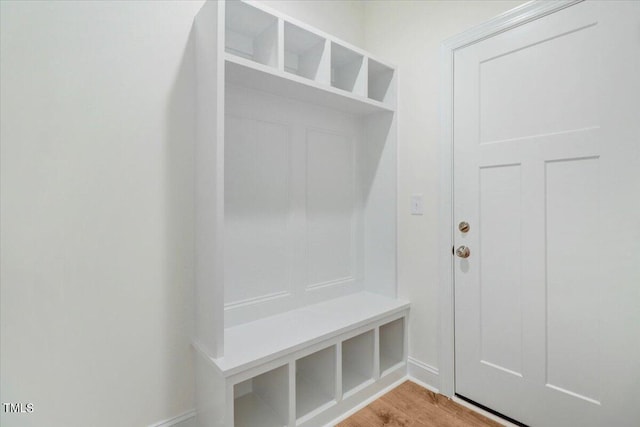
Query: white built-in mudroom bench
(297, 315)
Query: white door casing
(546, 169)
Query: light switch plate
(417, 204)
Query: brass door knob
(463, 252)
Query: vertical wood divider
(230, 405)
(339, 371)
(280, 44)
(292, 393)
(376, 354)
(405, 338)
(362, 84)
(324, 69)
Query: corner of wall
(423, 374)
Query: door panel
(546, 163)
(500, 220)
(573, 276)
(558, 102)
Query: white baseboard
(188, 419)
(423, 374)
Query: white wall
(96, 273)
(408, 34)
(341, 18)
(97, 195)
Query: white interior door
(547, 174)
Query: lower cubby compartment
(315, 382)
(391, 345)
(263, 401)
(357, 362)
(306, 367)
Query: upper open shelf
(270, 52)
(380, 81)
(348, 70)
(247, 73)
(251, 33)
(305, 54)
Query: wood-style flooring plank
(410, 405)
(378, 414)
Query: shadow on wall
(378, 150)
(180, 246)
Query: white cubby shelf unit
(297, 315)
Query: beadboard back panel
(293, 204)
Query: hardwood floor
(410, 405)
